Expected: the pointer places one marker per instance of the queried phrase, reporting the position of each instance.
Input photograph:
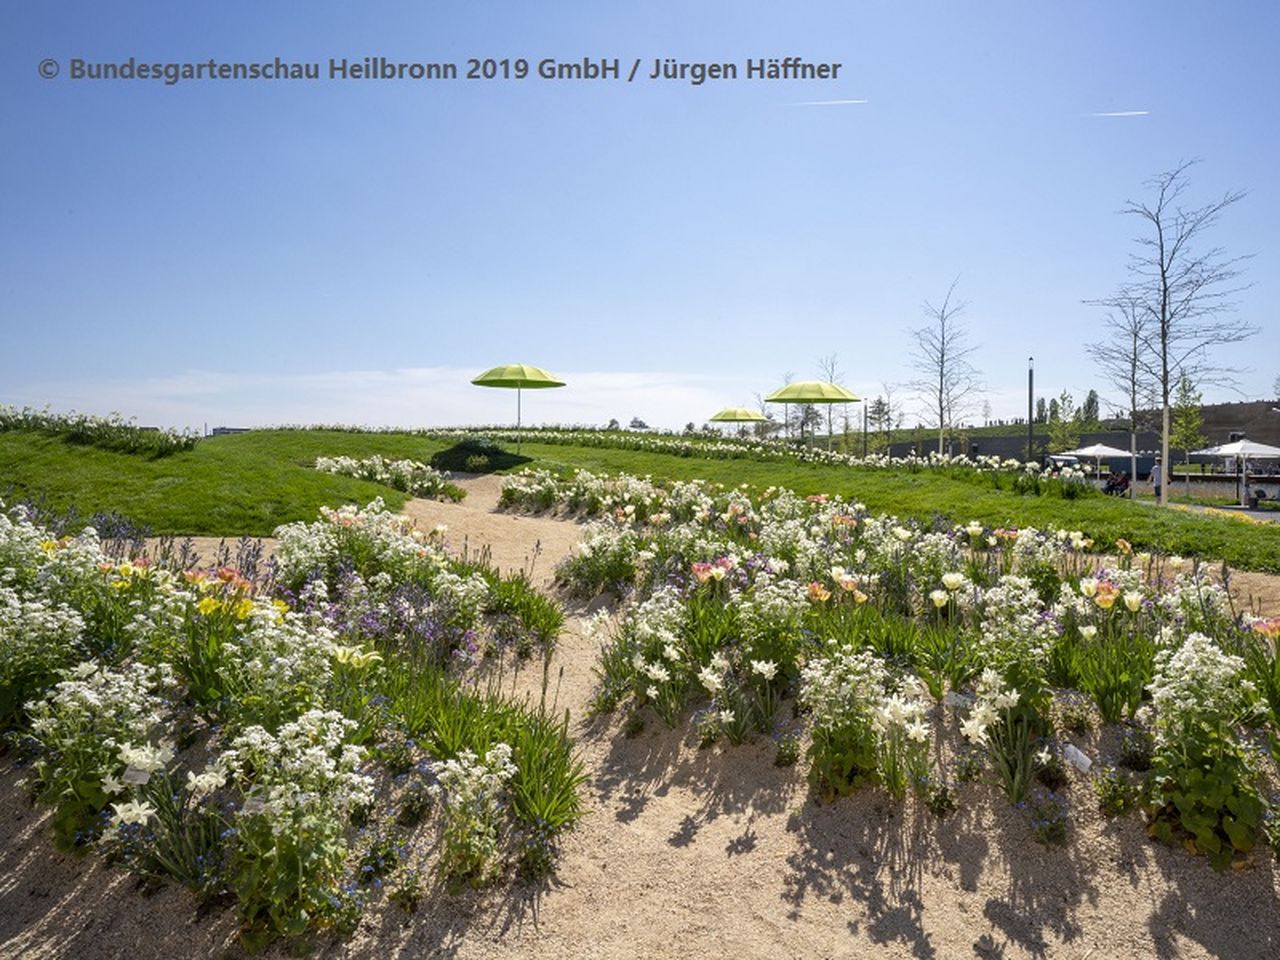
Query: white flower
(656, 671)
(726, 717)
(711, 680)
(953, 581)
(765, 668)
(1044, 756)
(974, 730)
(940, 598)
(652, 693)
(145, 758)
(133, 812)
(211, 779)
(1007, 700)
(1088, 631)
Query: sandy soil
(513, 542)
(692, 853)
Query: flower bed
(107, 433)
(918, 656)
(410, 476)
(1029, 478)
(1026, 478)
(293, 742)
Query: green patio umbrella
(737, 415)
(812, 391)
(518, 377)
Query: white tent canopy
(1097, 451)
(1244, 450)
(1240, 448)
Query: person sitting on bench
(1117, 484)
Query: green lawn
(243, 484)
(248, 483)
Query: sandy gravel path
(512, 541)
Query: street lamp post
(1031, 389)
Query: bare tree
(1120, 357)
(948, 382)
(829, 370)
(769, 425)
(1187, 296)
(897, 415)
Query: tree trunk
(1133, 453)
(1164, 452)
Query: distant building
(1254, 419)
(1222, 423)
(222, 431)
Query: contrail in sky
(1123, 113)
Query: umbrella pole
(517, 420)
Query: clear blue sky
(268, 251)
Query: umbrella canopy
(1244, 450)
(1097, 451)
(518, 377)
(737, 415)
(1240, 448)
(811, 391)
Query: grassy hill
(249, 483)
